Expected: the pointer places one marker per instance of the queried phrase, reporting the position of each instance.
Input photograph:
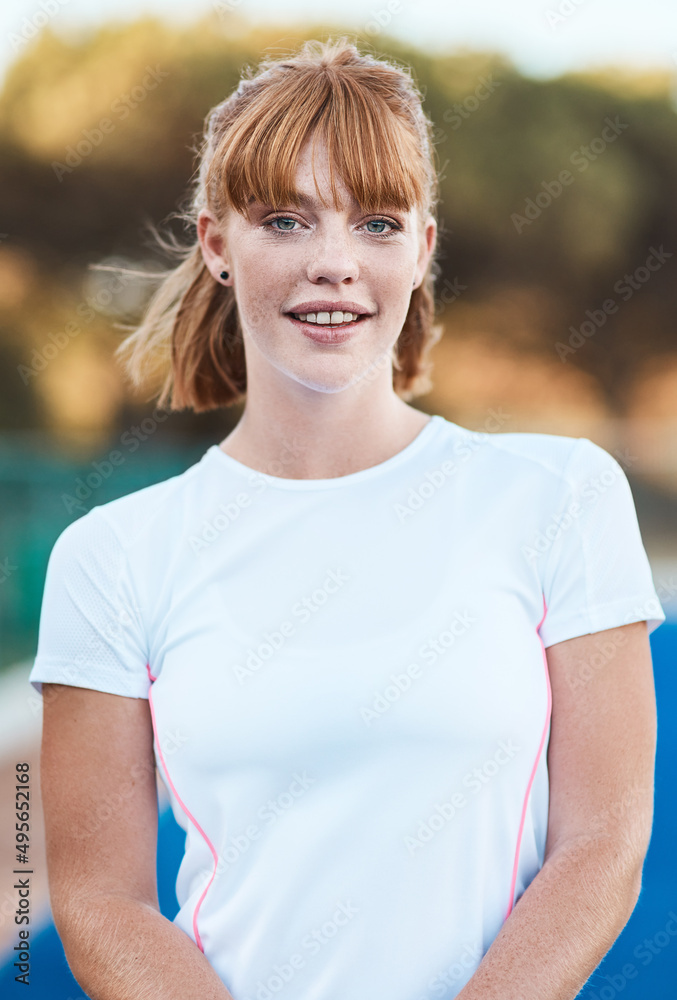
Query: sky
(544, 38)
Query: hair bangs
(368, 146)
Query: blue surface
(50, 977)
(653, 975)
(642, 965)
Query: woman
(395, 674)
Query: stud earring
(224, 275)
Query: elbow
(635, 864)
(93, 927)
(87, 929)
(73, 923)
(628, 886)
(610, 868)
(636, 884)
(622, 855)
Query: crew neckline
(427, 432)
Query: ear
(213, 245)
(426, 249)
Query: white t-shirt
(349, 690)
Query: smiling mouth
(329, 321)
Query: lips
(337, 317)
(327, 333)
(329, 306)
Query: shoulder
(158, 507)
(555, 457)
(109, 529)
(583, 469)
(532, 474)
(552, 454)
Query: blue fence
(41, 493)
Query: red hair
(369, 113)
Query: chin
(328, 381)
(327, 385)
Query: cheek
(393, 272)
(395, 291)
(261, 285)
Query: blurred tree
(552, 192)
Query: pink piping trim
(198, 939)
(533, 770)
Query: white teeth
(324, 318)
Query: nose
(333, 255)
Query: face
(310, 259)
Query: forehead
(317, 184)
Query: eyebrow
(303, 200)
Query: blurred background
(556, 136)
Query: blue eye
(393, 228)
(285, 224)
(281, 218)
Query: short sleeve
(91, 633)
(596, 574)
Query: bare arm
(601, 761)
(100, 804)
